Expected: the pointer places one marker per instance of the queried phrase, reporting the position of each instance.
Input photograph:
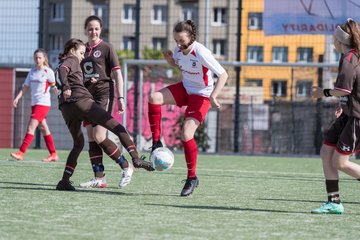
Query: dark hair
(41, 50)
(91, 18)
(187, 26)
(70, 44)
(352, 28)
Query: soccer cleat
(126, 176)
(53, 157)
(96, 182)
(156, 145)
(329, 208)
(190, 185)
(65, 186)
(141, 163)
(19, 155)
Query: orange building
(282, 83)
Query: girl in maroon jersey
(99, 65)
(39, 80)
(343, 137)
(76, 104)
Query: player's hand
(93, 80)
(121, 105)
(214, 102)
(168, 54)
(67, 94)
(15, 102)
(55, 91)
(317, 92)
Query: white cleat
(95, 182)
(126, 176)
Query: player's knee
(99, 138)
(340, 165)
(79, 143)
(186, 136)
(78, 147)
(155, 98)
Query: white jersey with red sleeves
(197, 68)
(39, 81)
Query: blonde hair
(41, 50)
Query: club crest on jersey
(193, 63)
(97, 53)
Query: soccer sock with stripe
(50, 143)
(69, 171)
(96, 159)
(26, 142)
(191, 152)
(155, 120)
(112, 150)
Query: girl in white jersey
(196, 91)
(39, 80)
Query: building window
(129, 13)
(253, 82)
(255, 54)
(190, 13)
(279, 54)
(304, 55)
(56, 42)
(219, 47)
(159, 14)
(57, 11)
(128, 43)
(303, 88)
(102, 11)
(159, 43)
(278, 88)
(255, 21)
(220, 16)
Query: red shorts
(197, 106)
(39, 112)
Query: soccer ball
(162, 159)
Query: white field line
(83, 163)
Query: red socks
(26, 142)
(155, 120)
(50, 143)
(191, 152)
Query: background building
(273, 99)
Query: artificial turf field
(239, 197)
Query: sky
(19, 24)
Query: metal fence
(265, 126)
(266, 109)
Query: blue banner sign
(294, 17)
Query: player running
(342, 138)
(39, 80)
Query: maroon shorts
(39, 112)
(197, 106)
(105, 103)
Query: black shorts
(344, 133)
